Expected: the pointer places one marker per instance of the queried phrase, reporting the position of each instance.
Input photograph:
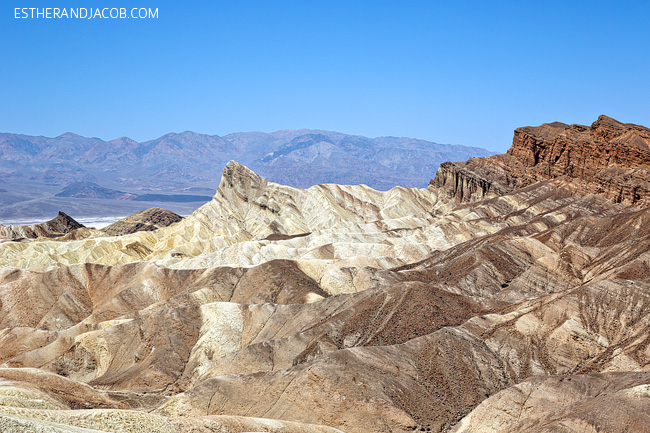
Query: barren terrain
(511, 295)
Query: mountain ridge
(179, 158)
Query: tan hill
(523, 305)
(231, 229)
(147, 220)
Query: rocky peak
(126, 141)
(242, 179)
(470, 181)
(55, 227)
(609, 129)
(63, 223)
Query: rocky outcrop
(581, 151)
(64, 228)
(146, 220)
(56, 227)
(608, 158)
(475, 179)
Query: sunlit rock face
(608, 158)
(512, 295)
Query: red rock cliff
(609, 158)
(581, 151)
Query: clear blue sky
(452, 72)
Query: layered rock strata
(341, 308)
(609, 158)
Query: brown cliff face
(581, 151)
(609, 158)
(476, 178)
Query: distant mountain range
(299, 158)
(90, 177)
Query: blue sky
(451, 72)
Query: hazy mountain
(92, 190)
(295, 157)
(118, 150)
(36, 169)
(345, 159)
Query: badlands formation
(511, 295)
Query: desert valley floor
(511, 295)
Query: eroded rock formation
(610, 158)
(521, 306)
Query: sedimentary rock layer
(609, 158)
(340, 308)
